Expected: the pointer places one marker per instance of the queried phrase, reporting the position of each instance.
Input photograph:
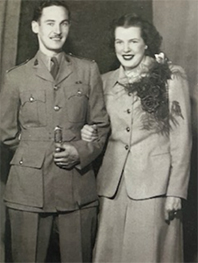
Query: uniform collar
(47, 59)
(41, 64)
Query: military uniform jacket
(151, 163)
(32, 105)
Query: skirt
(136, 231)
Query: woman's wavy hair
(149, 33)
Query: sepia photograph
(98, 131)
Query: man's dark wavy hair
(149, 33)
(39, 9)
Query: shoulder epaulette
(21, 64)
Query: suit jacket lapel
(113, 82)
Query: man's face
(52, 29)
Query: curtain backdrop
(177, 21)
(9, 22)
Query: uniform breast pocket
(33, 109)
(77, 102)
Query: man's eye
(50, 24)
(66, 23)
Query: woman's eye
(118, 42)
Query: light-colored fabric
(154, 164)
(135, 231)
(132, 225)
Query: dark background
(89, 32)
(89, 38)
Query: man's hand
(66, 155)
(173, 206)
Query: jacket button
(126, 147)
(56, 108)
(128, 129)
(21, 162)
(128, 111)
(55, 87)
(31, 99)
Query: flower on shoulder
(152, 89)
(150, 104)
(160, 58)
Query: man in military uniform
(51, 185)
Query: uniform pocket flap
(77, 90)
(31, 96)
(28, 157)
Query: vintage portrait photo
(98, 131)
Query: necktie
(54, 67)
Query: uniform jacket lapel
(40, 68)
(65, 69)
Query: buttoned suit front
(140, 168)
(32, 105)
(153, 164)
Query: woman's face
(129, 46)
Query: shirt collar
(47, 60)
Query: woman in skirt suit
(145, 170)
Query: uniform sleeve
(88, 151)
(180, 134)
(9, 107)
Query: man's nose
(57, 29)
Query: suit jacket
(32, 105)
(152, 164)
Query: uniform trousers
(134, 231)
(31, 232)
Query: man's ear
(35, 27)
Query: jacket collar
(42, 71)
(114, 79)
(118, 79)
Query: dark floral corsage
(153, 92)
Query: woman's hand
(173, 207)
(89, 133)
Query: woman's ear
(35, 27)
